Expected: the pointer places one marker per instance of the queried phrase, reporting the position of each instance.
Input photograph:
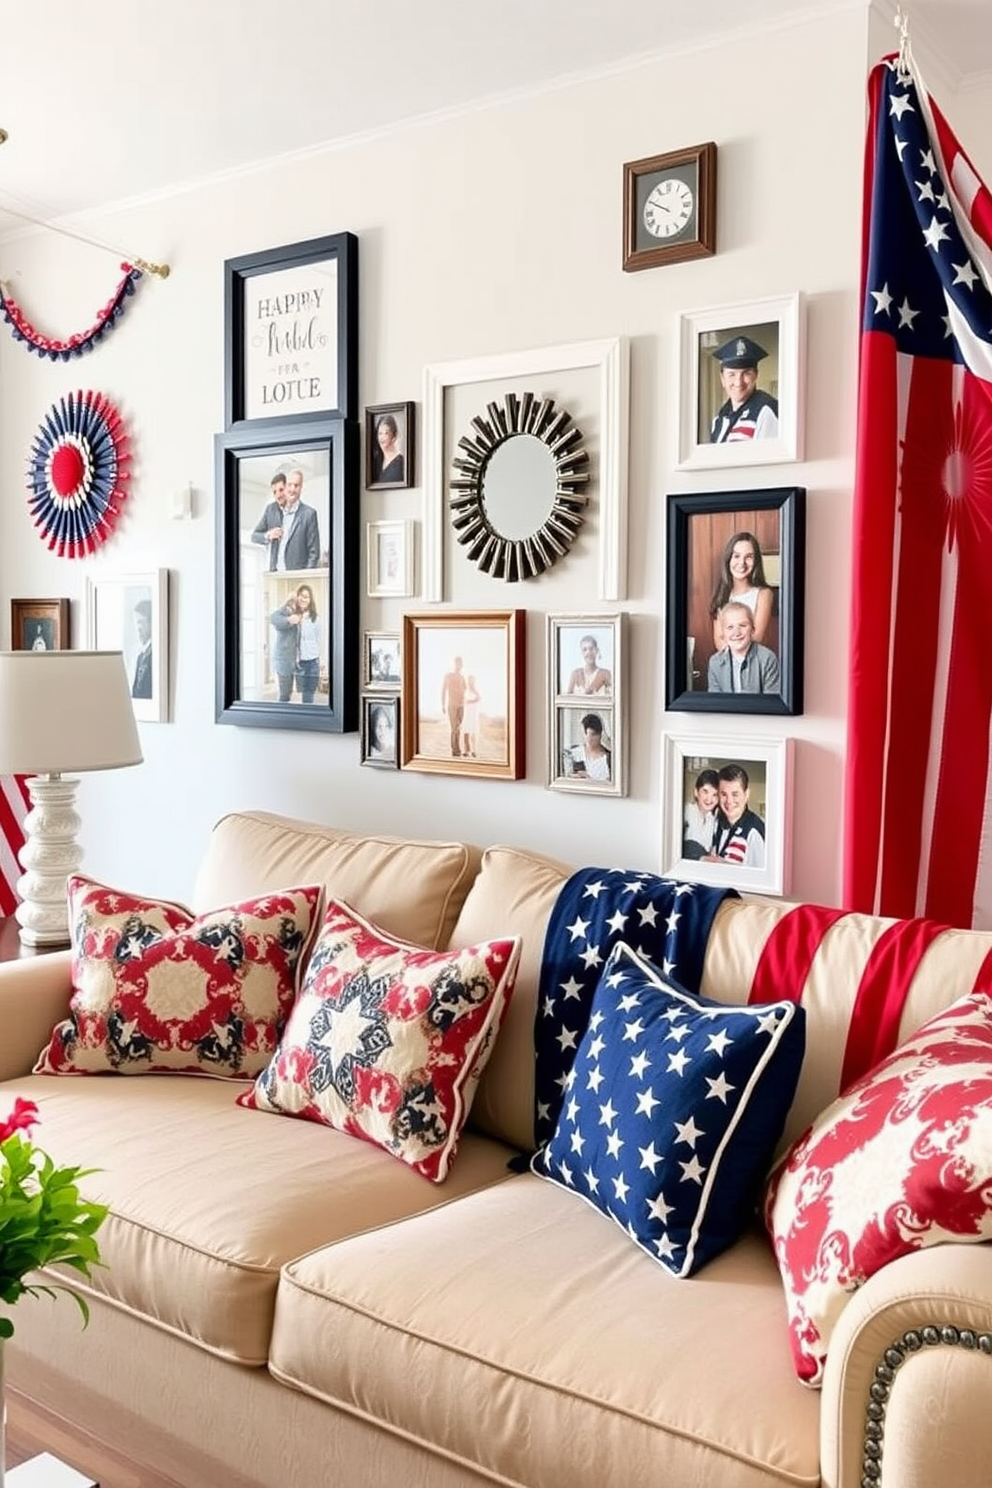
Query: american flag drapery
(918, 832)
(14, 807)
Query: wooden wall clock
(669, 207)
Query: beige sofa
(284, 1304)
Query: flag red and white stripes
(14, 807)
(918, 819)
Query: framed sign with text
(291, 333)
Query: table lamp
(60, 711)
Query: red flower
(22, 1118)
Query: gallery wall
(494, 231)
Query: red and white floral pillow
(902, 1160)
(388, 1041)
(157, 989)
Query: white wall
(490, 232)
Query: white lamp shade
(63, 711)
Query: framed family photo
(735, 601)
(291, 333)
(389, 446)
(287, 587)
(39, 625)
(390, 558)
(741, 384)
(382, 652)
(130, 613)
(726, 812)
(380, 731)
(463, 693)
(586, 736)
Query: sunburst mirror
(518, 488)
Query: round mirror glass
(518, 486)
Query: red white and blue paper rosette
(78, 473)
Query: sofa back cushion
(513, 894)
(414, 890)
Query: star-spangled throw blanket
(667, 922)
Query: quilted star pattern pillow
(900, 1161)
(672, 1110)
(387, 1041)
(157, 989)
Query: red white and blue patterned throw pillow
(158, 990)
(388, 1041)
(900, 1161)
(672, 1110)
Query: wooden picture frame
(291, 333)
(707, 442)
(669, 207)
(382, 668)
(608, 362)
(130, 613)
(766, 792)
(763, 533)
(262, 566)
(586, 703)
(39, 625)
(390, 446)
(390, 558)
(445, 729)
(381, 730)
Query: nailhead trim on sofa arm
(911, 1342)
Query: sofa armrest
(908, 1378)
(34, 995)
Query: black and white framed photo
(727, 811)
(390, 448)
(741, 384)
(39, 625)
(735, 601)
(382, 656)
(390, 558)
(586, 738)
(130, 613)
(380, 731)
(291, 333)
(287, 577)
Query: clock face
(668, 208)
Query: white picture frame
(778, 325)
(768, 766)
(118, 609)
(390, 558)
(610, 360)
(586, 666)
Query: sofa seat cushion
(208, 1202)
(550, 1360)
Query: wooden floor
(32, 1429)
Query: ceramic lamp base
(50, 853)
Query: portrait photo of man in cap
(748, 412)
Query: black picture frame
(700, 527)
(249, 592)
(303, 302)
(403, 417)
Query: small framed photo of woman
(39, 625)
(726, 811)
(389, 446)
(586, 750)
(735, 601)
(741, 384)
(380, 731)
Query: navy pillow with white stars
(673, 1108)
